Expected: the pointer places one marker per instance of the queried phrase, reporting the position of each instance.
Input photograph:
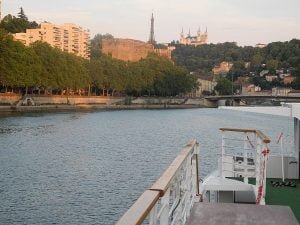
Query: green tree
(96, 44)
(22, 15)
(224, 86)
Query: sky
(246, 22)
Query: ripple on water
(88, 168)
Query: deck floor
(289, 196)
(240, 214)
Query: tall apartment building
(68, 37)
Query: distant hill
(205, 57)
(247, 61)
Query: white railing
(251, 162)
(169, 201)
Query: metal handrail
(145, 204)
(259, 133)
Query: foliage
(96, 44)
(277, 55)
(18, 24)
(42, 67)
(224, 86)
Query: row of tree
(41, 67)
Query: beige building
(68, 37)
(223, 68)
(260, 45)
(270, 78)
(206, 84)
(200, 39)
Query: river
(89, 167)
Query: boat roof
(213, 182)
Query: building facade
(206, 85)
(223, 68)
(67, 37)
(199, 39)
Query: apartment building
(68, 37)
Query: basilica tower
(0, 10)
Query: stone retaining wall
(75, 100)
(9, 99)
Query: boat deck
(283, 195)
(238, 214)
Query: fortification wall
(9, 99)
(74, 100)
(126, 49)
(131, 50)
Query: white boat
(236, 193)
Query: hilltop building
(260, 45)
(135, 50)
(200, 39)
(68, 37)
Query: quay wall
(74, 100)
(73, 103)
(9, 99)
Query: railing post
(222, 154)
(153, 216)
(165, 202)
(245, 156)
(197, 168)
(258, 159)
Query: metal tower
(152, 38)
(0, 10)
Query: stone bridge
(251, 99)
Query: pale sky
(245, 21)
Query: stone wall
(9, 99)
(126, 49)
(75, 100)
(131, 50)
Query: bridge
(254, 99)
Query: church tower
(205, 36)
(182, 38)
(199, 35)
(152, 38)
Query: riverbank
(84, 103)
(69, 108)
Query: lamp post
(232, 89)
(231, 84)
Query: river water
(88, 168)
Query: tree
(22, 15)
(224, 86)
(272, 65)
(18, 24)
(96, 44)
